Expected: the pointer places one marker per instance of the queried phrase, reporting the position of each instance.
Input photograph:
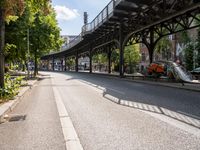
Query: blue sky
(70, 13)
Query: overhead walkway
(124, 22)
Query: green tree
(164, 45)
(7, 8)
(45, 36)
(16, 32)
(188, 50)
(198, 49)
(100, 59)
(115, 59)
(70, 62)
(131, 56)
(44, 33)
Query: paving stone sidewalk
(9, 106)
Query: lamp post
(28, 51)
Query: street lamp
(28, 52)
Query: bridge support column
(121, 51)
(65, 59)
(48, 64)
(53, 63)
(76, 61)
(90, 56)
(150, 44)
(109, 60)
(61, 62)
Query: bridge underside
(127, 22)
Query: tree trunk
(2, 43)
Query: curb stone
(165, 85)
(11, 104)
(157, 83)
(178, 86)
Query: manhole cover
(15, 117)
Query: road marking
(117, 91)
(102, 88)
(72, 141)
(158, 114)
(174, 122)
(112, 98)
(190, 115)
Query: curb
(149, 82)
(11, 104)
(165, 85)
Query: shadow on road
(178, 104)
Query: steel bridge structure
(126, 22)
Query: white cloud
(64, 13)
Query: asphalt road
(102, 124)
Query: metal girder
(157, 12)
(183, 22)
(144, 21)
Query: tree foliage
(188, 50)
(163, 45)
(198, 49)
(39, 19)
(131, 57)
(7, 8)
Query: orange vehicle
(156, 67)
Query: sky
(70, 13)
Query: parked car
(196, 71)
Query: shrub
(11, 88)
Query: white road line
(117, 91)
(72, 141)
(176, 123)
(102, 88)
(183, 126)
(190, 115)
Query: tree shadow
(178, 104)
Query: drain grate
(16, 118)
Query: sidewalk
(9, 106)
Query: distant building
(67, 40)
(175, 52)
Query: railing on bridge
(103, 16)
